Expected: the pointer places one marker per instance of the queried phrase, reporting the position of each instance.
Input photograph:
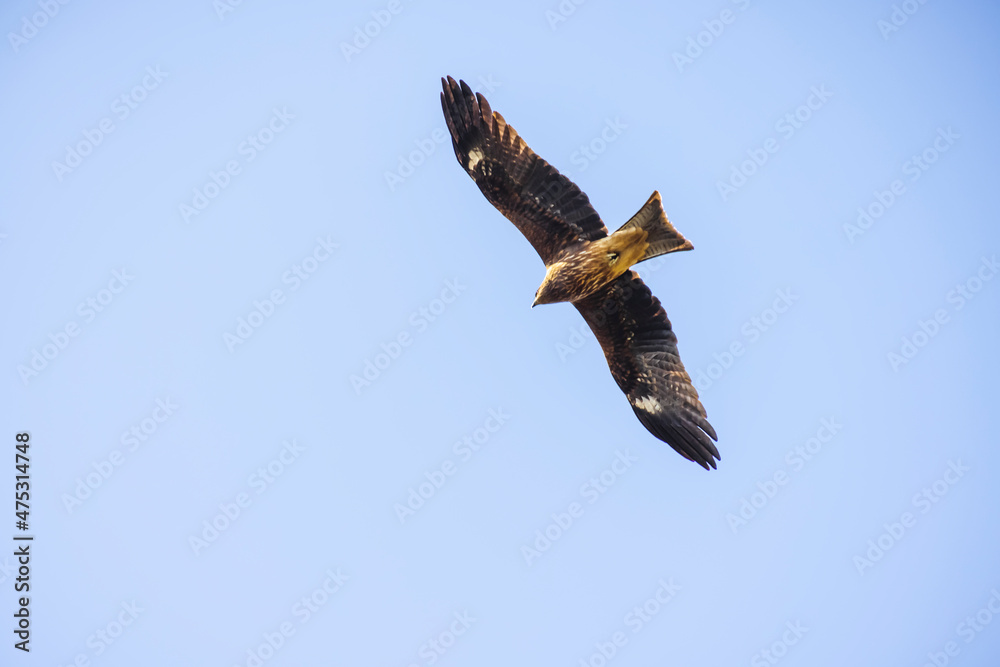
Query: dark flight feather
(641, 350)
(548, 208)
(557, 219)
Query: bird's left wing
(548, 208)
(641, 350)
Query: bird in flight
(588, 267)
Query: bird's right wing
(641, 350)
(548, 208)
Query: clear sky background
(173, 171)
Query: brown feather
(548, 208)
(641, 349)
(588, 267)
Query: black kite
(589, 268)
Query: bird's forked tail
(661, 235)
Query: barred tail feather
(662, 237)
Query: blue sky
(219, 217)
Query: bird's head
(549, 291)
(540, 297)
(572, 280)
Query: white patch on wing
(474, 157)
(648, 404)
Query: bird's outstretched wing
(641, 350)
(548, 208)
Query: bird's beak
(535, 302)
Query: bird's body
(583, 271)
(589, 268)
